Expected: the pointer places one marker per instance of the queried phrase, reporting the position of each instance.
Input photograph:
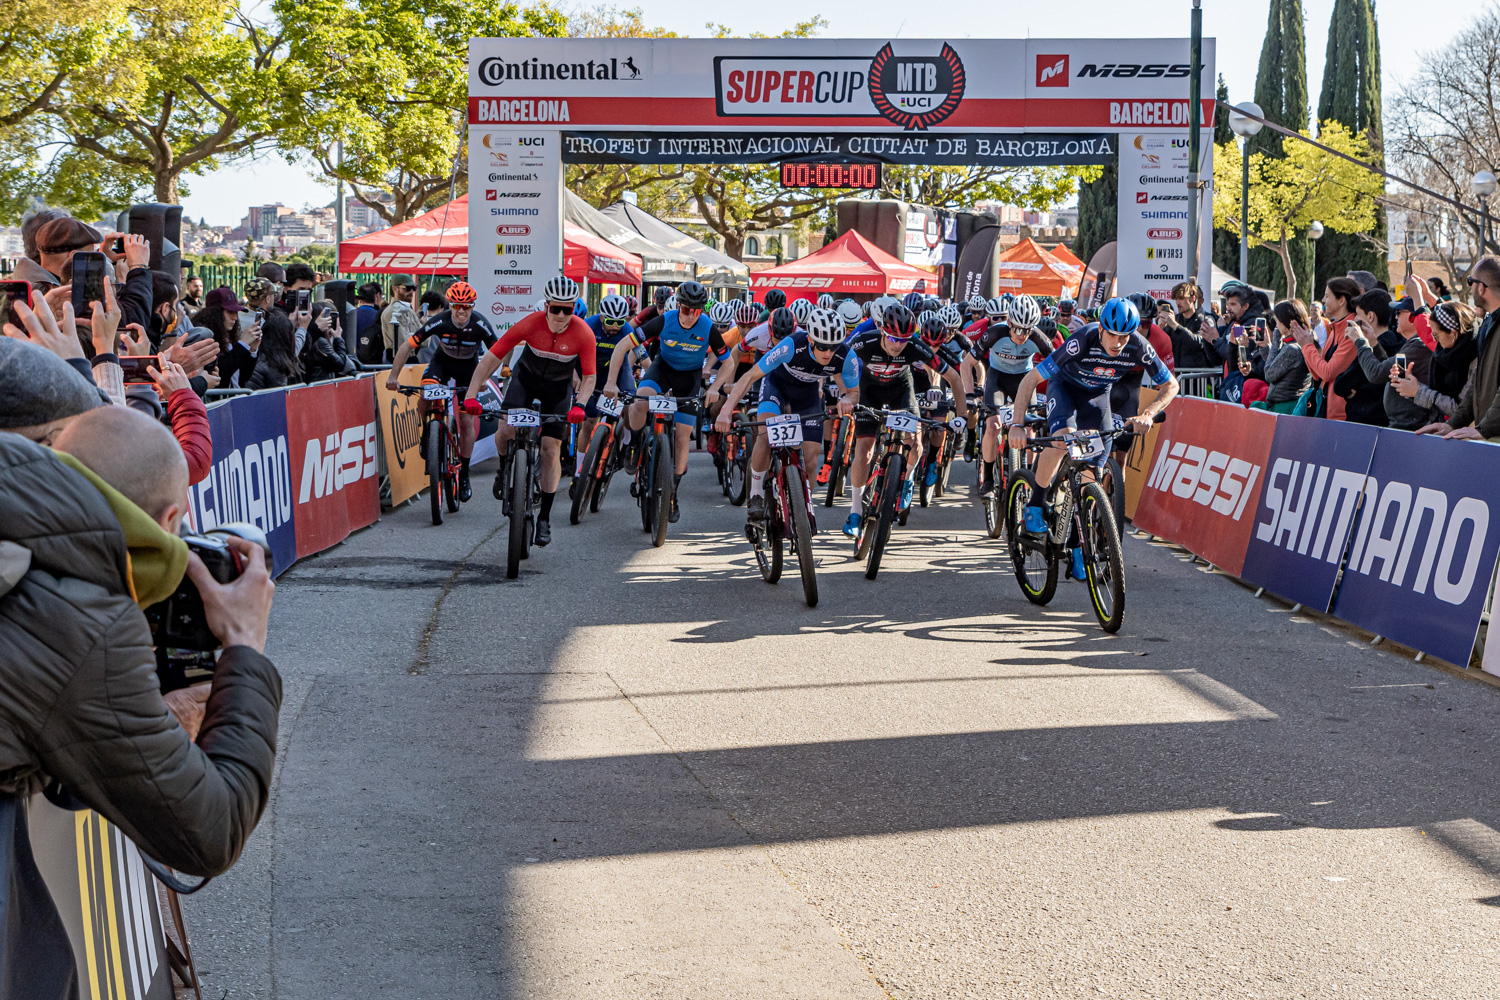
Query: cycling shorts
(665, 380)
(626, 385)
(1070, 407)
(444, 366)
(1000, 387)
(793, 396)
(897, 394)
(556, 397)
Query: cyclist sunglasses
(613, 322)
(560, 310)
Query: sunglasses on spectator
(563, 310)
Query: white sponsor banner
(515, 219)
(1152, 212)
(684, 84)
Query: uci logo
(531, 140)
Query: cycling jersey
(863, 326)
(878, 366)
(793, 357)
(452, 340)
(605, 339)
(682, 349)
(549, 357)
(1083, 363)
(758, 341)
(1005, 355)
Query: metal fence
(1200, 382)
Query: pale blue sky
(1407, 29)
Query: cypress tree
(1351, 96)
(1226, 252)
(1281, 92)
(1098, 211)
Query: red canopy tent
(437, 242)
(850, 265)
(1027, 268)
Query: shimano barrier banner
(1314, 479)
(1205, 477)
(1425, 544)
(335, 484)
(992, 149)
(251, 475)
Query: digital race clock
(865, 176)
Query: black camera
(179, 624)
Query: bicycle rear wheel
(437, 463)
(1104, 563)
(994, 504)
(1112, 481)
(520, 475)
(583, 481)
(451, 467)
(1036, 569)
(801, 531)
(895, 466)
(838, 463)
(661, 489)
(644, 479)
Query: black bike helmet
(783, 323)
(661, 295)
(775, 299)
(691, 295)
(1145, 305)
(897, 322)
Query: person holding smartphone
(1411, 358)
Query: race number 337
(784, 431)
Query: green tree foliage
(1290, 191)
(1098, 211)
(1351, 96)
(1281, 92)
(1226, 251)
(389, 79)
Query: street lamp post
(1483, 185)
(1244, 128)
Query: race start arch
(536, 104)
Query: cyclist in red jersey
(555, 342)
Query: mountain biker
(886, 360)
(792, 375)
(1079, 377)
(1010, 349)
(609, 325)
(684, 335)
(555, 342)
(461, 334)
(955, 349)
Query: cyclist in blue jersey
(684, 336)
(1010, 346)
(792, 374)
(1079, 377)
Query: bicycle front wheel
(738, 469)
(890, 500)
(583, 482)
(661, 489)
(520, 475)
(1036, 569)
(437, 463)
(1103, 561)
(801, 526)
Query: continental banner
(400, 420)
(107, 900)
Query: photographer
(82, 704)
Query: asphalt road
(643, 772)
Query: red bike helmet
(897, 322)
(461, 293)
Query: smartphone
(1260, 328)
(10, 293)
(304, 296)
(134, 366)
(117, 245)
(1401, 365)
(90, 272)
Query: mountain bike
(735, 451)
(655, 484)
(601, 461)
(1077, 509)
(840, 455)
(439, 444)
(1007, 463)
(942, 402)
(521, 472)
(788, 504)
(889, 459)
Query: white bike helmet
(614, 307)
(746, 312)
(1024, 312)
(824, 328)
(825, 301)
(850, 312)
(951, 317)
(561, 289)
(801, 308)
(722, 314)
(996, 308)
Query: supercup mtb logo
(916, 92)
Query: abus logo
(512, 230)
(1164, 234)
(916, 92)
(1051, 71)
(1212, 479)
(343, 458)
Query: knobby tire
(520, 476)
(1104, 562)
(436, 462)
(890, 500)
(796, 501)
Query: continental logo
(406, 427)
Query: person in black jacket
(1191, 330)
(323, 354)
(1364, 398)
(220, 313)
(276, 363)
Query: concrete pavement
(646, 773)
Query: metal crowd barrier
(1200, 382)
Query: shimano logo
(514, 211)
(1164, 215)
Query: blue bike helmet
(1119, 316)
(581, 309)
